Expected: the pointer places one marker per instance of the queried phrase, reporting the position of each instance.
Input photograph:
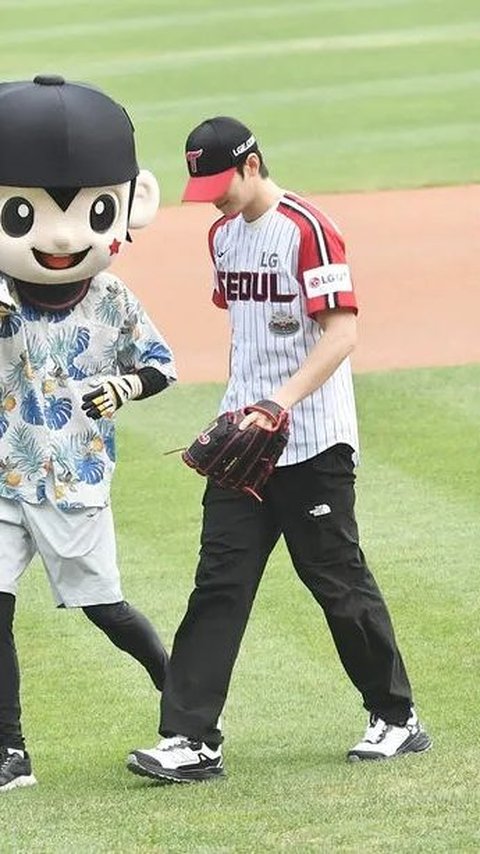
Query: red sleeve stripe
(212, 232)
(218, 299)
(322, 244)
(346, 299)
(317, 304)
(337, 300)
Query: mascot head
(70, 186)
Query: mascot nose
(62, 242)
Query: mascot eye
(17, 217)
(102, 213)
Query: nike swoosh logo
(221, 254)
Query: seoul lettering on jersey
(245, 286)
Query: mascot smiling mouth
(60, 261)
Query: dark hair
(264, 173)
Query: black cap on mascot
(46, 136)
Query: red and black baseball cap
(213, 151)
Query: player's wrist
(281, 400)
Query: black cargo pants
(312, 505)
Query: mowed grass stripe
(411, 414)
(136, 61)
(387, 87)
(167, 11)
(187, 19)
(395, 139)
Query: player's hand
(257, 418)
(263, 420)
(104, 400)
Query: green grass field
(291, 713)
(344, 94)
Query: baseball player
(75, 345)
(282, 274)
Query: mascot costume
(75, 345)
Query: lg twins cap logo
(244, 146)
(328, 279)
(192, 157)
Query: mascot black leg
(130, 631)
(10, 729)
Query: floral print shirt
(48, 360)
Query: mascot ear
(146, 200)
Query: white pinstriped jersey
(273, 275)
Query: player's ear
(146, 200)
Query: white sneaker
(178, 759)
(15, 769)
(384, 741)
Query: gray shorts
(77, 549)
